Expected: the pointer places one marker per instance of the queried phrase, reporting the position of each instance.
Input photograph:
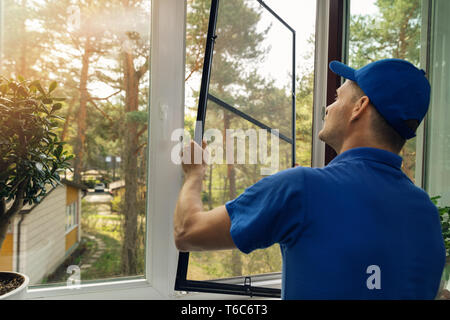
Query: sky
(301, 16)
(363, 7)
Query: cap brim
(343, 70)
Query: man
(355, 229)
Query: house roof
(28, 208)
(74, 184)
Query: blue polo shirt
(355, 229)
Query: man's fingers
(197, 155)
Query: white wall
(42, 242)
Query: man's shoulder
(298, 177)
(316, 172)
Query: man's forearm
(189, 202)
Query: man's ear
(360, 107)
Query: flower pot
(19, 292)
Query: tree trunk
(4, 223)
(66, 123)
(129, 249)
(82, 112)
(210, 205)
(7, 215)
(236, 262)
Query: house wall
(72, 195)
(71, 238)
(42, 240)
(80, 196)
(6, 253)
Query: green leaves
(393, 32)
(137, 116)
(37, 85)
(30, 149)
(444, 215)
(52, 87)
(57, 152)
(56, 107)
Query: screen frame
(216, 286)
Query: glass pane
(438, 147)
(98, 54)
(387, 29)
(228, 180)
(262, 62)
(252, 63)
(300, 15)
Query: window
(388, 29)
(437, 174)
(251, 92)
(437, 148)
(164, 177)
(99, 53)
(71, 216)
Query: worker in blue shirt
(355, 229)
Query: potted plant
(31, 157)
(444, 214)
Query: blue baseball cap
(396, 88)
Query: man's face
(337, 117)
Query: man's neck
(349, 144)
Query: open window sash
(274, 70)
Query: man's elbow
(183, 235)
(181, 242)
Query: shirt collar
(371, 154)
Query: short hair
(383, 131)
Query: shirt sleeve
(268, 212)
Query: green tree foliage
(304, 107)
(394, 32)
(31, 155)
(444, 215)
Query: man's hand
(194, 228)
(195, 164)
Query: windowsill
(123, 289)
(136, 289)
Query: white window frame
(421, 139)
(72, 210)
(164, 177)
(320, 81)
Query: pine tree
(394, 32)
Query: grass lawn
(100, 247)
